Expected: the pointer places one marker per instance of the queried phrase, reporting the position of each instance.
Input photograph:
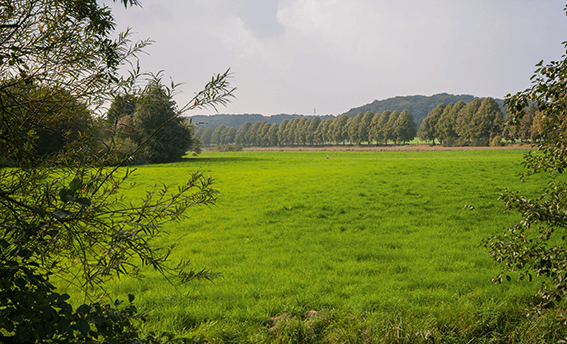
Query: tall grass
(379, 244)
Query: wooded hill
(419, 106)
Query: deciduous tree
(446, 126)
(242, 134)
(465, 127)
(312, 129)
(69, 205)
(536, 245)
(390, 127)
(364, 127)
(339, 129)
(282, 139)
(426, 130)
(353, 128)
(405, 127)
(155, 109)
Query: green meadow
(383, 246)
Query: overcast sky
(328, 56)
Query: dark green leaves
(75, 185)
(69, 195)
(83, 327)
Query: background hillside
(418, 105)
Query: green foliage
(476, 123)
(427, 130)
(419, 106)
(353, 130)
(31, 311)
(365, 126)
(465, 126)
(150, 119)
(390, 127)
(304, 131)
(62, 214)
(339, 129)
(379, 125)
(536, 246)
(50, 120)
(496, 141)
(405, 127)
(447, 124)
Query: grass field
(384, 246)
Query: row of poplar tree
(392, 126)
(477, 123)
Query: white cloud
(292, 55)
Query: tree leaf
(83, 326)
(75, 185)
(63, 195)
(84, 201)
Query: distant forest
(478, 123)
(419, 106)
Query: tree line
(394, 126)
(418, 105)
(478, 123)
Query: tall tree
(207, 136)
(426, 131)
(263, 138)
(155, 109)
(230, 136)
(312, 129)
(485, 123)
(379, 128)
(218, 133)
(252, 134)
(524, 131)
(339, 129)
(390, 127)
(273, 134)
(301, 131)
(326, 130)
(465, 126)
(364, 127)
(290, 131)
(282, 138)
(405, 127)
(352, 129)
(241, 134)
(538, 127)
(446, 126)
(436, 130)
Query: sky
(328, 56)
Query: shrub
(496, 141)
